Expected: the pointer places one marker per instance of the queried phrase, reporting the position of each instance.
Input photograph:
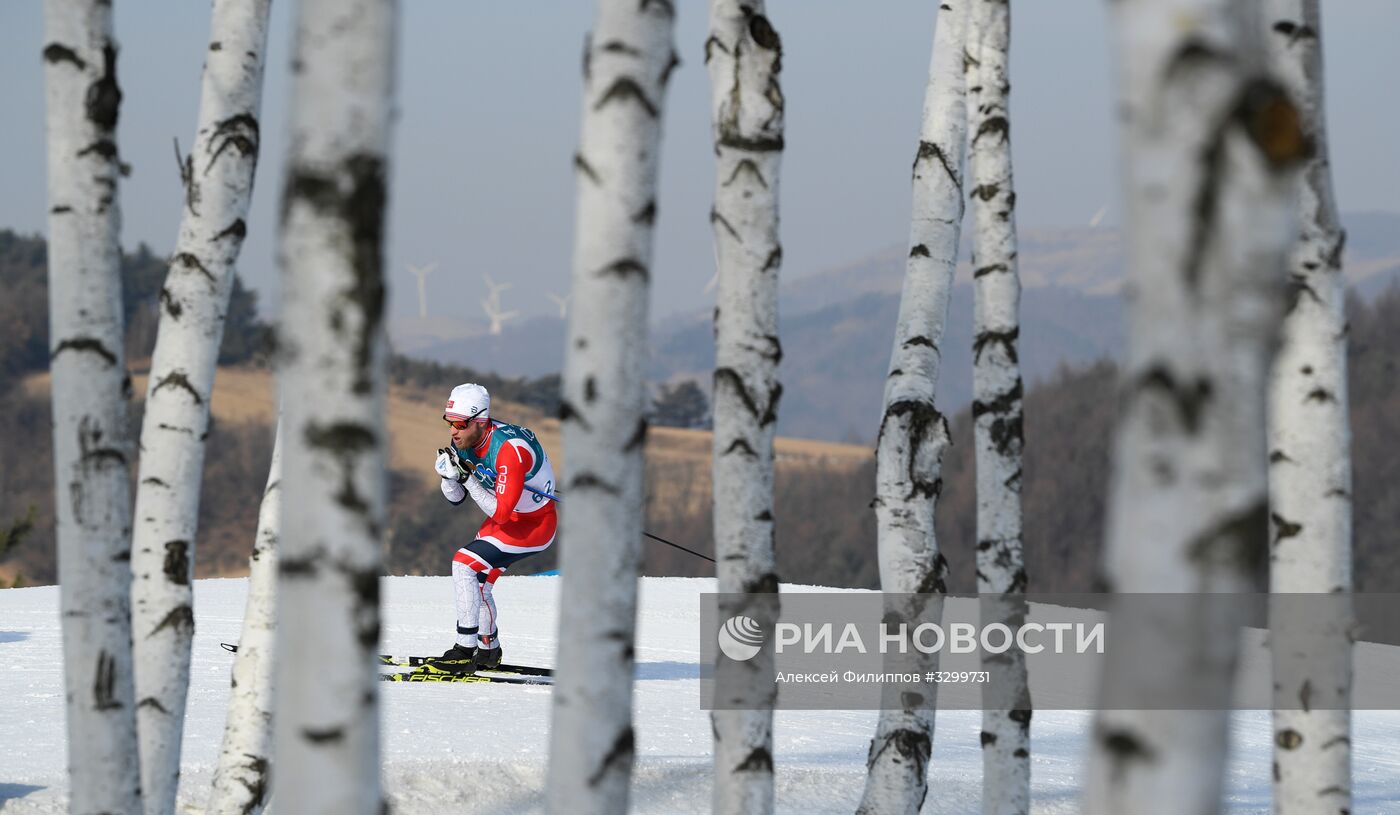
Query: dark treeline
(24, 309)
(825, 527)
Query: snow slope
(483, 748)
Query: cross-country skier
(493, 462)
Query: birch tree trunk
(744, 55)
(1310, 458)
(1209, 145)
(996, 411)
(218, 178)
(913, 433)
(91, 447)
(242, 777)
(627, 61)
(331, 378)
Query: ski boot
(457, 660)
(487, 659)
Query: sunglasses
(459, 425)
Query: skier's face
(466, 434)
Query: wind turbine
(562, 302)
(492, 307)
(422, 274)
(494, 298)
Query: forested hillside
(825, 528)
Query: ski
(418, 662)
(428, 673)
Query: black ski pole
(678, 546)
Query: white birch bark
(1208, 145)
(744, 55)
(242, 777)
(996, 409)
(90, 391)
(1309, 457)
(331, 378)
(627, 61)
(218, 178)
(913, 433)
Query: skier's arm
(483, 497)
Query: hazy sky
(488, 97)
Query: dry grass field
(247, 395)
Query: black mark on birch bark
(624, 88)
(1288, 739)
(586, 480)
(993, 126)
(240, 133)
(672, 64)
(256, 767)
(759, 761)
(1294, 32)
(619, 756)
(928, 150)
(85, 344)
(1124, 747)
(177, 562)
(638, 438)
(326, 736)
(581, 164)
(926, 426)
(1006, 339)
(746, 164)
(347, 442)
(766, 414)
(180, 618)
(912, 746)
(716, 218)
(237, 230)
(756, 144)
(740, 446)
(773, 261)
(189, 261)
(104, 97)
(172, 306)
(179, 381)
(55, 53)
(1297, 287)
(152, 703)
(713, 43)
(624, 267)
(1189, 399)
(1283, 528)
(619, 47)
(936, 581)
(104, 685)
(354, 194)
(567, 412)
(1238, 543)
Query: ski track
(483, 748)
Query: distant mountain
(838, 325)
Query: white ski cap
(467, 402)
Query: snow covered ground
(482, 748)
